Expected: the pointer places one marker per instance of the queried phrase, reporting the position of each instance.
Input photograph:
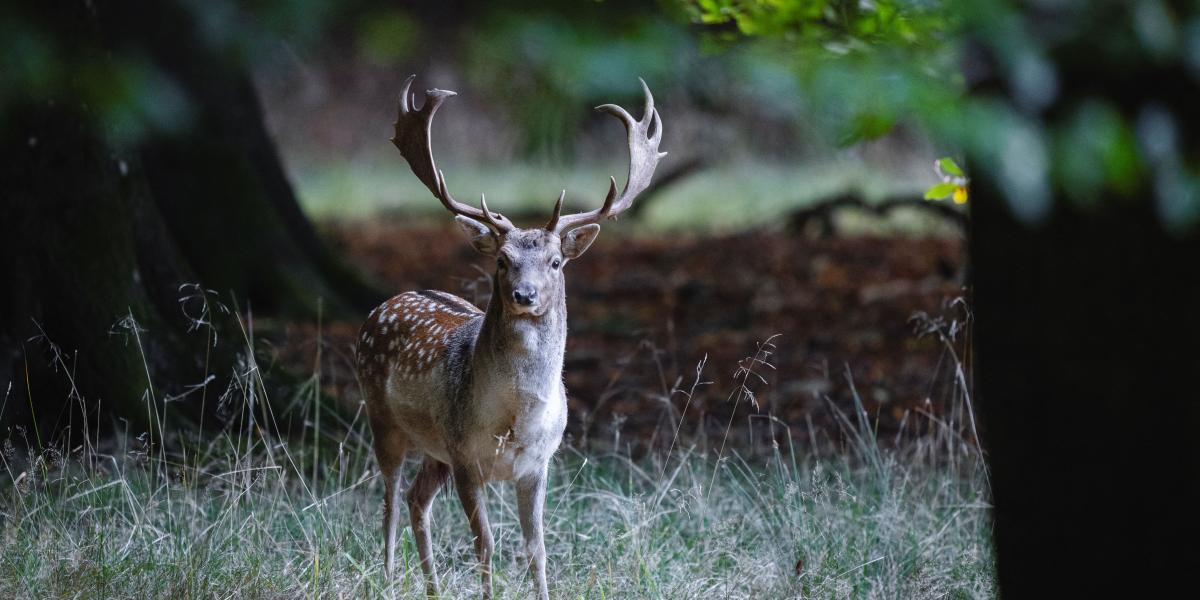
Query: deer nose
(524, 296)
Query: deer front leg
(531, 502)
(471, 493)
(424, 488)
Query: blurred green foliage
(861, 66)
(547, 67)
(1085, 101)
(41, 65)
(840, 72)
(93, 56)
(387, 34)
(840, 26)
(1092, 102)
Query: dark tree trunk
(92, 277)
(220, 184)
(1086, 329)
(1086, 370)
(98, 237)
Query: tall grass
(248, 514)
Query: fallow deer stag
(479, 394)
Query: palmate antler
(412, 138)
(643, 158)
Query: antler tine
(413, 139)
(648, 107)
(489, 217)
(643, 158)
(608, 198)
(404, 104)
(657, 137)
(553, 223)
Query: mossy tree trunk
(101, 239)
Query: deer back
(413, 357)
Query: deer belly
(412, 409)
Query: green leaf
(950, 167)
(940, 191)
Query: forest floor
(766, 327)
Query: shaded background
(731, 248)
(168, 159)
(764, 223)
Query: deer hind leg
(471, 493)
(390, 448)
(424, 488)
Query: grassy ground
(250, 513)
(246, 517)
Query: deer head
(529, 262)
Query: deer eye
(555, 264)
(501, 263)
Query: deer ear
(576, 241)
(484, 240)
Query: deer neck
(524, 348)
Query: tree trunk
(1086, 366)
(1085, 346)
(101, 240)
